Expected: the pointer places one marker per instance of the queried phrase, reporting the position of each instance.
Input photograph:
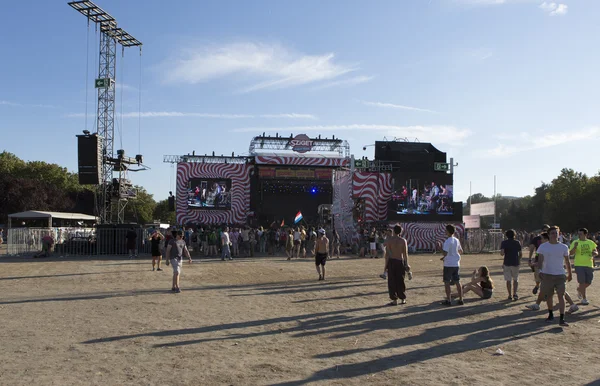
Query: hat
(322, 231)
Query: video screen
(209, 193)
(422, 194)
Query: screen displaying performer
(422, 194)
(209, 193)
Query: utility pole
(113, 193)
(494, 200)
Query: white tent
(37, 215)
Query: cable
(140, 107)
(121, 128)
(87, 70)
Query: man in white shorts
(175, 252)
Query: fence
(74, 241)
(482, 240)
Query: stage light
(313, 190)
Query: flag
(298, 218)
(282, 223)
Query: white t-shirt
(451, 247)
(296, 236)
(225, 238)
(554, 258)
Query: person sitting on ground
(481, 283)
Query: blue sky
(506, 87)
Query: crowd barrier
(482, 240)
(74, 241)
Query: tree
(162, 213)
(141, 209)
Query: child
(179, 249)
(481, 283)
(451, 259)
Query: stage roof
(33, 214)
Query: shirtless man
(396, 252)
(321, 253)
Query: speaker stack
(89, 159)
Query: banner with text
(303, 174)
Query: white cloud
(550, 7)
(125, 87)
(14, 104)
(436, 134)
(346, 82)
(7, 103)
(398, 107)
(554, 9)
(176, 114)
(526, 142)
(264, 66)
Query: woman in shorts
(481, 283)
(155, 240)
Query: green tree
(141, 209)
(162, 213)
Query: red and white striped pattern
(376, 189)
(428, 236)
(304, 161)
(240, 193)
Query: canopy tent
(39, 215)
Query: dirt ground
(267, 321)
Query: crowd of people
(549, 258)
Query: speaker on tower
(89, 159)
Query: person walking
(396, 254)
(511, 250)
(131, 238)
(452, 251)
(533, 246)
(175, 252)
(225, 245)
(321, 253)
(584, 250)
(553, 257)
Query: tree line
(37, 185)
(571, 201)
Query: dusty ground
(269, 322)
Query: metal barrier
(482, 240)
(74, 241)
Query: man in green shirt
(584, 250)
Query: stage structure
(281, 177)
(112, 193)
(410, 183)
(407, 183)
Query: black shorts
(451, 275)
(320, 258)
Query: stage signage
(266, 172)
(472, 222)
(323, 174)
(305, 174)
(301, 143)
(441, 167)
(285, 173)
(484, 208)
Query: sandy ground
(268, 321)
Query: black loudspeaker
(89, 159)
(171, 204)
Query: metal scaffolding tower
(112, 195)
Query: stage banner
(266, 172)
(305, 173)
(323, 174)
(285, 173)
(472, 222)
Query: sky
(507, 88)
